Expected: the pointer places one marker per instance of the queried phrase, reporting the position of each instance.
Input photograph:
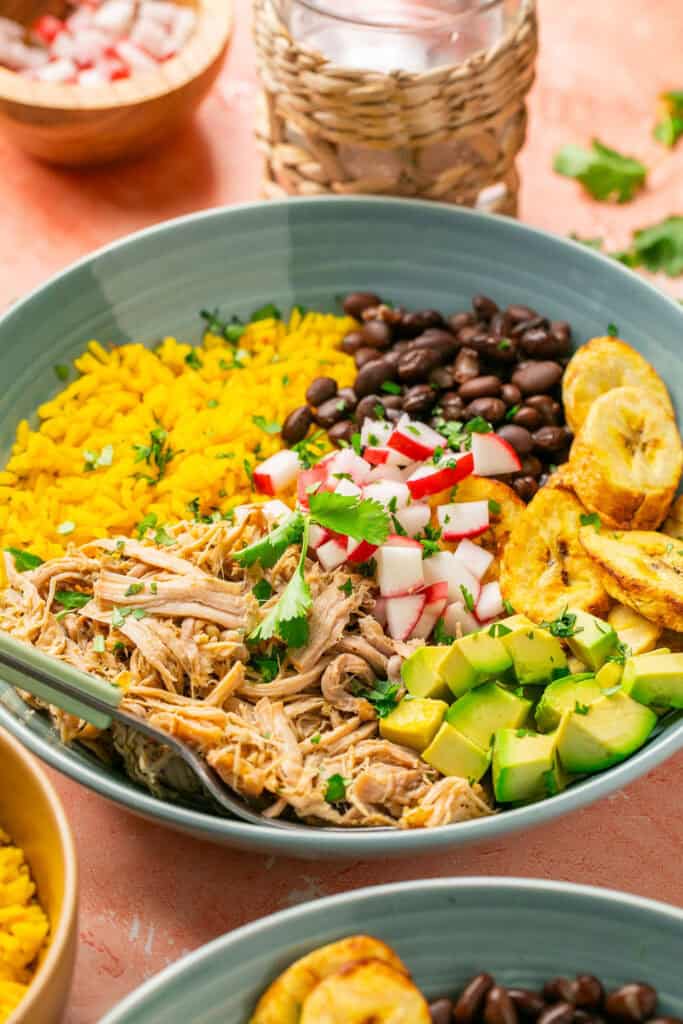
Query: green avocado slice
(604, 733)
(655, 678)
(524, 765)
(421, 673)
(594, 640)
(479, 713)
(565, 695)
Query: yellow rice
(47, 497)
(23, 927)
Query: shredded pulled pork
(169, 625)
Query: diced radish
(493, 456)
(91, 78)
(346, 461)
(331, 554)
(58, 71)
(379, 611)
(317, 535)
(274, 511)
(463, 519)
(413, 518)
(381, 473)
(134, 57)
(184, 23)
(10, 29)
(385, 457)
(115, 16)
(395, 540)
(359, 550)
(375, 433)
(490, 604)
(476, 558)
(277, 473)
(17, 55)
(432, 479)
(399, 570)
(116, 69)
(348, 489)
(151, 37)
(388, 492)
(438, 566)
(310, 481)
(445, 566)
(159, 10)
(415, 439)
(403, 614)
(47, 28)
(64, 46)
(436, 599)
(457, 615)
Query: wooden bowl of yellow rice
(31, 815)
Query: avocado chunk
(451, 753)
(594, 640)
(474, 659)
(604, 733)
(524, 765)
(609, 675)
(655, 678)
(413, 723)
(537, 656)
(480, 712)
(421, 673)
(565, 695)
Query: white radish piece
(438, 567)
(183, 26)
(385, 457)
(331, 554)
(276, 510)
(375, 433)
(456, 615)
(381, 473)
(134, 57)
(89, 46)
(490, 604)
(413, 518)
(463, 519)
(317, 535)
(403, 614)
(348, 489)
(399, 570)
(445, 566)
(115, 16)
(436, 599)
(493, 456)
(476, 558)
(64, 46)
(24, 58)
(346, 461)
(396, 540)
(277, 473)
(92, 78)
(434, 478)
(58, 71)
(151, 37)
(159, 11)
(388, 492)
(415, 439)
(11, 29)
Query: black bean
(558, 1013)
(392, 401)
(416, 364)
(481, 342)
(498, 1007)
(550, 439)
(352, 342)
(371, 377)
(331, 411)
(466, 333)
(418, 400)
(528, 417)
(452, 406)
(471, 999)
(376, 333)
(561, 329)
(369, 408)
(466, 365)
(520, 439)
(480, 387)
(665, 1020)
(588, 991)
(438, 340)
(525, 487)
(587, 1017)
(341, 431)
(559, 990)
(511, 394)
(441, 1012)
(357, 302)
(484, 307)
(536, 378)
(412, 324)
(442, 378)
(531, 466)
(492, 409)
(519, 314)
(499, 326)
(527, 1002)
(393, 415)
(549, 409)
(392, 357)
(631, 1003)
(458, 320)
(320, 389)
(539, 343)
(364, 355)
(517, 330)
(297, 425)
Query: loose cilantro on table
(24, 561)
(563, 626)
(72, 599)
(591, 519)
(660, 247)
(670, 128)
(335, 790)
(604, 173)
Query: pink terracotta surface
(148, 896)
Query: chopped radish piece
(92, 78)
(436, 599)
(432, 479)
(115, 16)
(274, 511)
(379, 611)
(134, 57)
(381, 473)
(331, 554)
(403, 614)
(183, 26)
(348, 489)
(310, 481)
(445, 566)
(476, 558)
(317, 535)
(346, 461)
(151, 37)
(277, 473)
(493, 456)
(46, 28)
(399, 570)
(413, 518)
(388, 492)
(11, 29)
(463, 519)
(116, 69)
(395, 540)
(158, 10)
(457, 615)
(375, 433)
(438, 566)
(360, 550)
(64, 47)
(385, 457)
(415, 439)
(490, 604)
(58, 71)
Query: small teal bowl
(308, 251)
(522, 931)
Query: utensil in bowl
(32, 814)
(76, 125)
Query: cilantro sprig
(157, 454)
(361, 519)
(288, 619)
(24, 561)
(604, 173)
(563, 626)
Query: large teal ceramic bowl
(520, 930)
(308, 251)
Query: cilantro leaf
(467, 598)
(660, 247)
(581, 709)
(268, 550)
(357, 518)
(612, 330)
(312, 448)
(72, 599)
(670, 129)
(268, 426)
(262, 591)
(288, 619)
(24, 560)
(347, 587)
(148, 523)
(335, 791)
(193, 361)
(604, 173)
(134, 588)
(382, 696)
(267, 312)
(61, 371)
(563, 626)
(267, 665)
(591, 519)
(440, 636)
(231, 330)
(391, 387)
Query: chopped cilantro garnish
(98, 644)
(162, 538)
(498, 629)
(24, 561)
(429, 540)
(670, 128)
(192, 359)
(61, 371)
(367, 569)
(391, 387)
(138, 613)
(134, 588)
(267, 665)
(563, 626)
(512, 412)
(288, 619)
(148, 523)
(581, 709)
(612, 330)
(550, 782)
(157, 454)
(507, 605)
(262, 591)
(231, 330)
(154, 588)
(504, 344)
(622, 652)
(335, 790)
(212, 403)
(315, 738)
(72, 599)
(494, 507)
(311, 449)
(347, 587)
(249, 470)
(268, 550)
(591, 519)
(268, 426)
(381, 414)
(267, 312)
(356, 443)
(68, 526)
(467, 598)
(440, 636)
(382, 696)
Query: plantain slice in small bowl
(627, 458)
(369, 991)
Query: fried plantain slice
(599, 366)
(673, 524)
(282, 1001)
(561, 478)
(626, 460)
(641, 569)
(505, 508)
(370, 991)
(544, 568)
(637, 633)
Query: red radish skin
(316, 476)
(436, 599)
(397, 540)
(463, 519)
(490, 604)
(493, 456)
(331, 554)
(360, 551)
(277, 473)
(399, 570)
(384, 457)
(439, 478)
(476, 558)
(403, 614)
(317, 536)
(415, 439)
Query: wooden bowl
(31, 812)
(74, 125)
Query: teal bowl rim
(335, 844)
(592, 894)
